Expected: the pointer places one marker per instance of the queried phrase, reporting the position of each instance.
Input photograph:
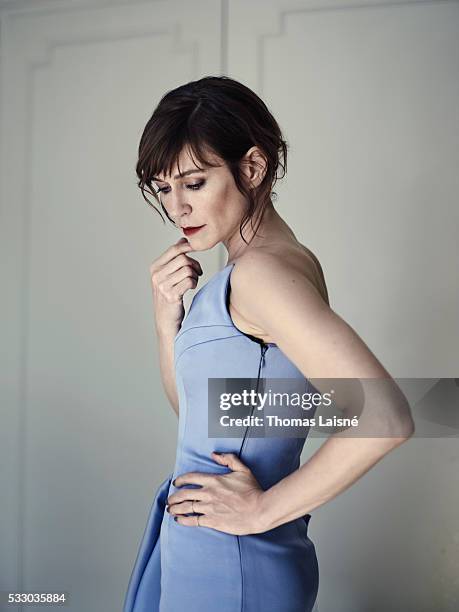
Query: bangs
(164, 155)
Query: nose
(176, 206)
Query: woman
(229, 531)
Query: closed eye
(193, 187)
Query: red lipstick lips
(189, 231)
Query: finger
(178, 268)
(181, 246)
(230, 460)
(170, 278)
(187, 494)
(186, 260)
(200, 478)
(197, 266)
(198, 520)
(186, 507)
(174, 286)
(190, 521)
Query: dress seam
(180, 334)
(204, 342)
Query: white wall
(367, 96)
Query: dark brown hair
(215, 114)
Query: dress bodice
(209, 345)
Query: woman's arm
(337, 464)
(166, 364)
(172, 274)
(322, 345)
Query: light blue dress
(181, 568)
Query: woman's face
(207, 198)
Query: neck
(271, 227)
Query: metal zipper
(263, 348)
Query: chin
(204, 245)
(201, 244)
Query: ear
(254, 166)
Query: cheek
(216, 204)
(223, 205)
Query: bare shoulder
(267, 275)
(265, 266)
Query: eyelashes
(193, 187)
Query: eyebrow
(177, 176)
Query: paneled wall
(367, 96)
